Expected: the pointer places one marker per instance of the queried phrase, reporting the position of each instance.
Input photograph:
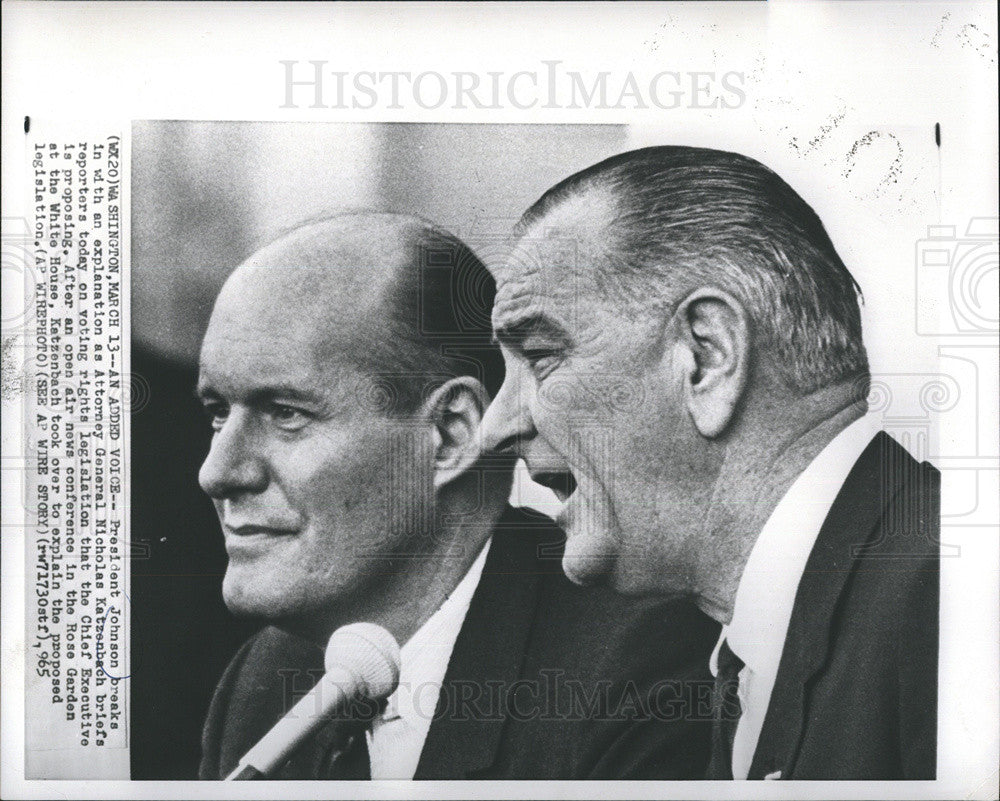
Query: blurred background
(205, 195)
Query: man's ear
(456, 409)
(712, 347)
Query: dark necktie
(342, 747)
(334, 752)
(352, 761)
(725, 713)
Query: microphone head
(368, 651)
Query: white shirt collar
(397, 738)
(766, 593)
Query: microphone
(362, 661)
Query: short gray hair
(684, 216)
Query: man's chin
(304, 615)
(587, 561)
(251, 599)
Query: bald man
(345, 371)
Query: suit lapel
(851, 522)
(464, 737)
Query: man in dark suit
(547, 681)
(346, 369)
(684, 354)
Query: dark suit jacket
(546, 681)
(856, 691)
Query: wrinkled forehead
(556, 258)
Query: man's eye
(542, 360)
(217, 414)
(288, 417)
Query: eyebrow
(514, 333)
(263, 394)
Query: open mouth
(561, 483)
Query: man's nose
(507, 421)
(234, 464)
